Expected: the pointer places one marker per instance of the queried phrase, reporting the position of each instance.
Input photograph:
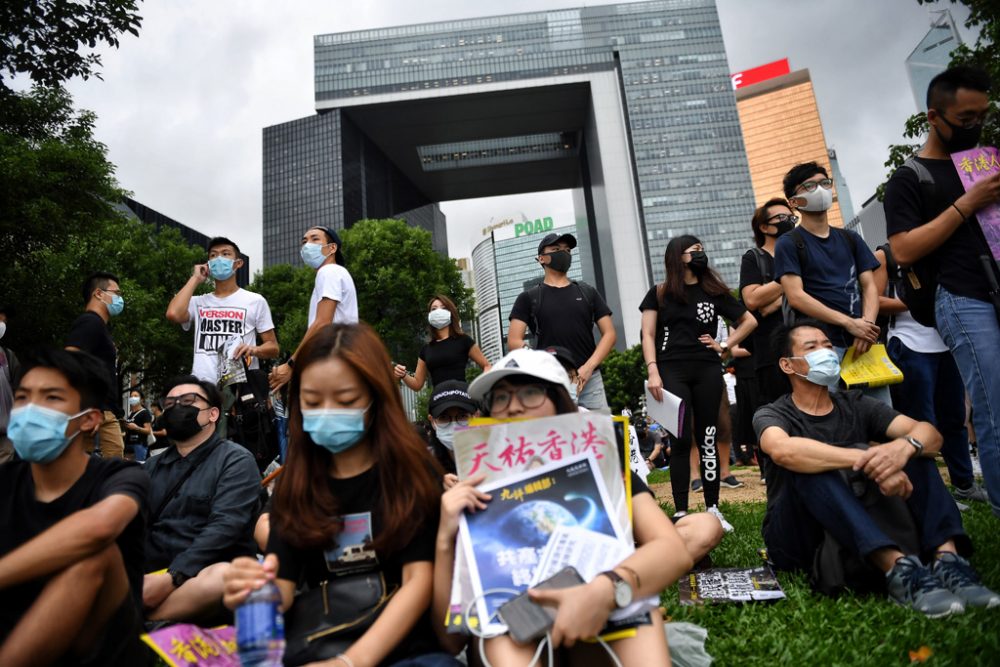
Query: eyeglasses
(784, 217)
(460, 420)
(183, 399)
(810, 186)
(529, 396)
(111, 291)
(969, 123)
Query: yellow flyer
(874, 368)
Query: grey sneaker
(975, 492)
(910, 584)
(730, 482)
(962, 507)
(696, 485)
(726, 526)
(958, 576)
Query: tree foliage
(984, 18)
(396, 272)
(623, 374)
(58, 223)
(287, 290)
(52, 41)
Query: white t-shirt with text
(215, 319)
(334, 282)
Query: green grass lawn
(809, 629)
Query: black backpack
(788, 313)
(250, 419)
(891, 290)
(916, 284)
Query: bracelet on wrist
(958, 210)
(650, 363)
(344, 659)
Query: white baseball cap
(533, 363)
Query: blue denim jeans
(932, 391)
(878, 393)
(970, 329)
(592, 396)
(811, 503)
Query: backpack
(249, 420)
(535, 297)
(917, 284)
(891, 291)
(789, 314)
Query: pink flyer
(974, 165)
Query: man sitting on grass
(812, 435)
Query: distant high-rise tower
(932, 55)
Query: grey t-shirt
(855, 418)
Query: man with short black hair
(71, 525)
(204, 494)
(227, 311)
(102, 298)
(334, 297)
(814, 435)
(931, 223)
(563, 312)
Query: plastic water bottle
(260, 628)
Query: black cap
(564, 356)
(334, 238)
(451, 394)
(553, 238)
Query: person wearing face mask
(227, 311)
(448, 352)
(679, 323)
(334, 296)
(563, 312)
(814, 435)
(932, 226)
(9, 369)
(450, 409)
(826, 272)
(204, 495)
(71, 525)
(138, 426)
(90, 332)
(357, 500)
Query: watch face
(623, 594)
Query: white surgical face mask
(439, 318)
(817, 201)
(824, 367)
(446, 434)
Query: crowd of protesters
(114, 520)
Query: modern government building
(630, 106)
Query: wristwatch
(177, 578)
(291, 362)
(623, 590)
(724, 345)
(917, 445)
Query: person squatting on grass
(828, 483)
(532, 384)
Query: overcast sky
(181, 108)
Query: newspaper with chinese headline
(501, 449)
(973, 166)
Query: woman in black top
(679, 324)
(358, 496)
(449, 350)
(137, 427)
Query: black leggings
(699, 384)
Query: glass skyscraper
(630, 106)
(932, 56)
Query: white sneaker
(726, 526)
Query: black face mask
(181, 422)
(782, 227)
(560, 260)
(962, 138)
(699, 261)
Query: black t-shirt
(358, 499)
(648, 443)
(140, 418)
(678, 325)
(91, 334)
(23, 517)
(957, 259)
(565, 318)
(855, 418)
(760, 338)
(446, 359)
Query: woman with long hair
(447, 353)
(539, 387)
(679, 324)
(357, 475)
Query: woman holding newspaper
(679, 321)
(532, 384)
(355, 507)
